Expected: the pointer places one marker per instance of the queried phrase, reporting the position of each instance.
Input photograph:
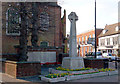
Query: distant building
(109, 39)
(86, 41)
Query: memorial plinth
(73, 62)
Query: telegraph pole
(95, 29)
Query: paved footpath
(113, 78)
(7, 78)
(44, 70)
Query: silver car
(92, 55)
(109, 56)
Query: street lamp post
(95, 29)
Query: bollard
(106, 63)
(115, 64)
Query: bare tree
(34, 36)
(23, 34)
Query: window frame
(7, 22)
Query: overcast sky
(107, 13)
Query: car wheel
(110, 60)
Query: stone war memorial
(73, 67)
(73, 61)
(34, 45)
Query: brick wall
(10, 68)
(28, 69)
(22, 69)
(94, 63)
(58, 42)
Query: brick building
(86, 41)
(51, 27)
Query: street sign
(91, 41)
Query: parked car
(89, 54)
(92, 55)
(110, 56)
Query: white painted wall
(111, 41)
(42, 57)
(105, 41)
(119, 42)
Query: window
(117, 28)
(108, 41)
(13, 21)
(89, 49)
(85, 50)
(85, 39)
(104, 31)
(89, 36)
(102, 42)
(44, 21)
(93, 35)
(115, 40)
(99, 53)
(82, 40)
(79, 40)
(110, 54)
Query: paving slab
(8, 78)
(113, 78)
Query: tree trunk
(23, 34)
(34, 36)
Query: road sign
(91, 41)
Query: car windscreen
(97, 53)
(110, 54)
(89, 54)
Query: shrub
(64, 74)
(63, 69)
(104, 70)
(56, 75)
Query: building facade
(50, 26)
(109, 39)
(86, 41)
